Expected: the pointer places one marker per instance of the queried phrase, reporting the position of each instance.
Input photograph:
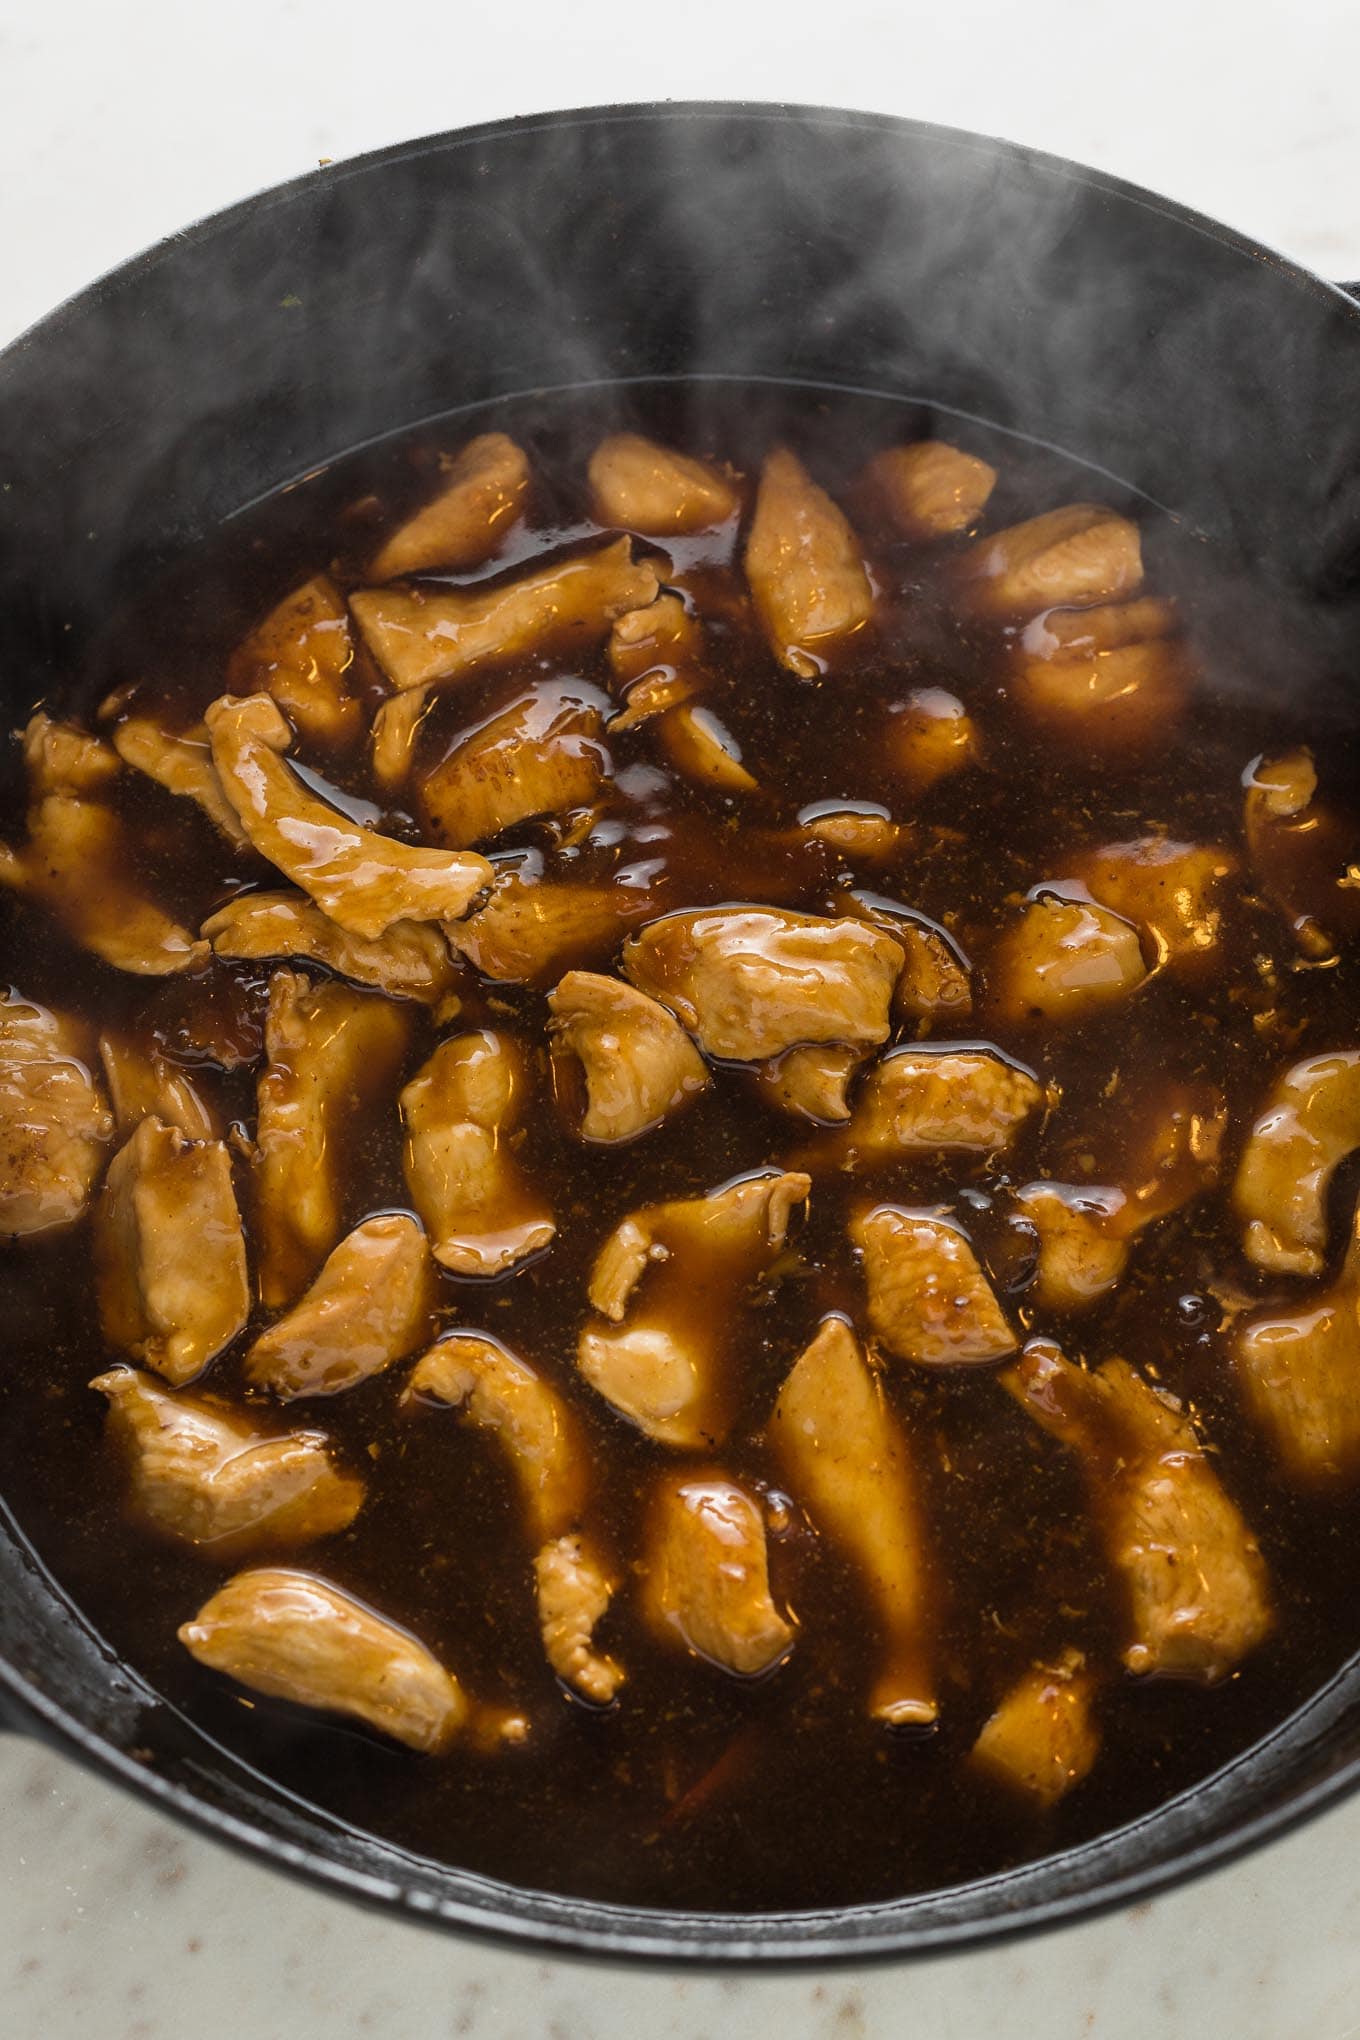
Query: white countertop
(118, 125)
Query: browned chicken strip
(637, 1063)
(804, 567)
(1308, 1125)
(1076, 556)
(424, 636)
(668, 1281)
(846, 1459)
(54, 1120)
(370, 1305)
(460, 1111)
(541, 755)
(182, 764)
(930, 489)
(749, 982)
(1193, 1575)
(170, 1253)
(706, 1581)
(295, 1637)
(142, 1084)
(1081, 1254)
(574, 1589)
(1063, 960)
(934, 984)
(532, 929)
(1172, 891)
(1108, 685)
(930, 737)
(811, 1083)
(1043, 1738)
(204, 1474)
(1299, 1372)
(940, 1100)
(659, 643)
(640, 486)
(332, 1053)
(409, 960)
(929, 1300)
(302, 656)
(481, 498)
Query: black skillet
(795, 244)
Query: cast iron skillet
(817, 246)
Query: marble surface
(118, 126)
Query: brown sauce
(697, 1790)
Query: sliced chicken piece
(143, 1084)
(1043, 1738)
(1080, 555)
(332, 1054)
(361, 879)
(640, 486)
(203, 1473)
(803, 564)
(481, 497)
(638, 1064)
(703, 750)
(862, 835)
(1081, 1256)
(1171, 891)
(421, 636)
(1308, 1125)
(574, 1589)
(661, 641)
(669, 1281)
(930, 736)
(295, 1637)
(1108, 684)
(749, 982)
(369, 1307)
(170, 1253)
(930, 489)
(182, 764)
(302, 656)
(652, 697)
(1063, 960)
(77, 857)
(1303, 855)
(396, 732)
(811, 1083)
(846, 1459)
(409, 960)
(1299, 1372)
(706, 1577)
(1195, 1581)
(940, 1100)
(54, 1120)
(541, 755)
(532, 929)
(929, 1300)
(934, 984)
(461, 1111)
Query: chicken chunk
(1304, 856)
(361, 879)
(170, 1253)
(1109, 684)
(861, 834)
(703, 750)
(532, 929)
(803, 564)
(1043, 1739)
(668, 1281)
(930, 736)
(1170, 891)
(1081, 1258)
(460, 1112)
(143, 1084)
(934, 984)
(846, 1459)
(1193, 1575)
(940, 1100)
(1062, 960)
(638, 1064)
(929, 1300)
(1077, 556)
(425, 636)
(205, 1475)
(706, 1580)
(77, 858)
(295, 1637)
(409, 960)
(811, 1083)
(930, 489)
(54, 1120)
(369, 1307)
(183, 765)
(541, 755)
(1299, 1372)
(1309, 1124)
(482, 496)
(574, 1589)
(302, 656)
(332, 1054)
(749, 982)
(640, 486)
(662, 641)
